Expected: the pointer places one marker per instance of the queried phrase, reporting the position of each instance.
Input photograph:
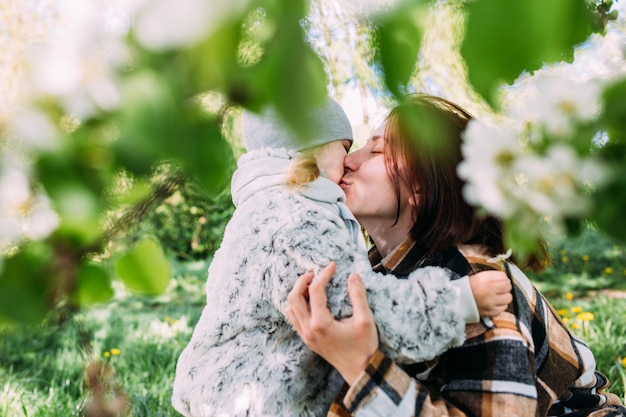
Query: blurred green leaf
(610, 200)
(202, 151)
(138, 192)
(79, 211)
(504, 38)
(25, 284)
(522, 237)
(615, 107)
(398, 37)
(145, 269)
(148, 121)
(93, 285)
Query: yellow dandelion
(608, 270)
(585, 258)
(575, 326)
(107, 354)
(563, 312)
(624, 362)
(565, 320)
(564, 259)
(576, 310)
(563, 252)
(585, 316)
(115, 351)
(167, 319)
(569, 296)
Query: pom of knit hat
(268, 130)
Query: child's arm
(418, 318)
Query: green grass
(42, 369)
(589, 275)
(605, 333)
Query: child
(244, 358)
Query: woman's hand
(346, 344)
(492, 292)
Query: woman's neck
(385, 236)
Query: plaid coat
(524, 362)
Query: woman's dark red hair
(423, 148)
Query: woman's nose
(350, 162)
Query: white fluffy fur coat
(244, 358)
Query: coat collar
(409, 256)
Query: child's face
(330, 158)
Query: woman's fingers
(317, 289)
(297, 310)
(358, 296)
(300, 289)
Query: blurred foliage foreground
(102, 110)
(116, 163)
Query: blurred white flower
(555, 183)
(79, 65)
(558, 104)
(40, 220)
(23, 214)
(35, 129)
(14, 185)
(489, 152)
(14, 193)
(169, 328)
(165, 24)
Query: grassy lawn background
(131, 345)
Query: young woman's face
(370, 193)
(330, 158)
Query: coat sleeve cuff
(381, 387)
(465, 302)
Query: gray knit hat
(267, 130)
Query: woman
(403, 188)
(244, 359)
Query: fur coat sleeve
(244, 358)
(414, 316)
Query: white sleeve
(466, 303)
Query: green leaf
(505, 38)
(145, 268)
(610, 200)
(288, 74)
(25, 284)
(93, 285)
(149, 119)
(398, 36)
(79, 211)
(203, 152)
(615, 107)
(74, 196)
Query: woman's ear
(414, 200)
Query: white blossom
(40, 220)
(78, 66)
(35, 129)
(165, 24)
(489, 152)
(23, 213)
(558, 104)
(555, 182)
